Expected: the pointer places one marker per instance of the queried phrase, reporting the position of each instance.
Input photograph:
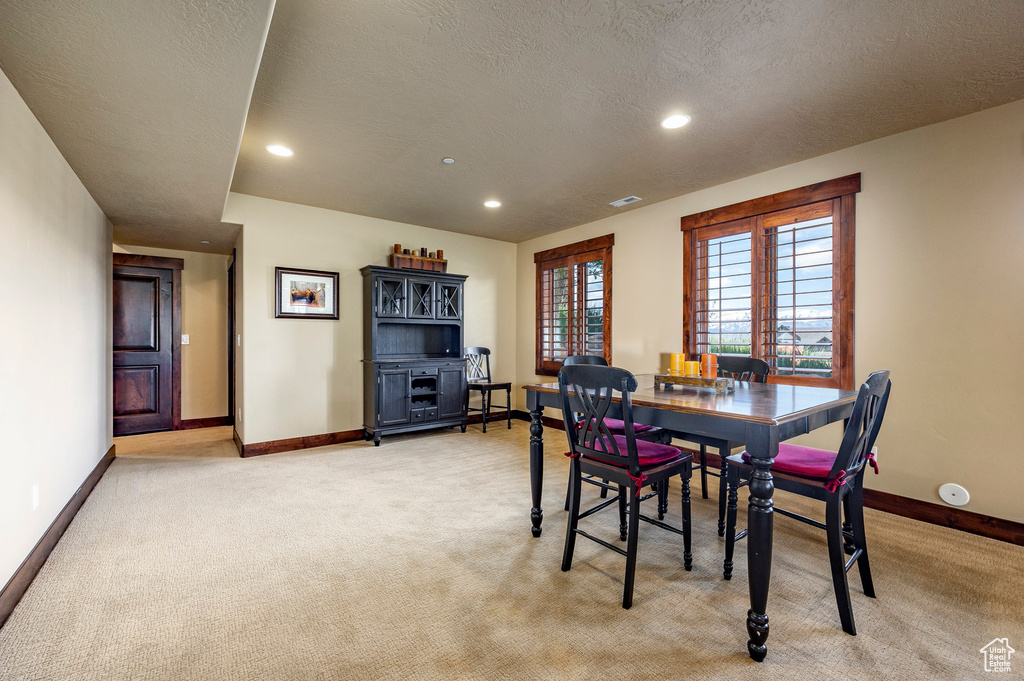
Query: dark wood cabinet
(414, 376)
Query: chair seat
(488, 385)
(804, 462)
(649, 453)
(618, 426)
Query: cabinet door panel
(391, 297)
(393, 394)
(421, 299)
(449, 301)
(452, 398)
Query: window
(773, 278)
(574, 302)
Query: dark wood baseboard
(20, 581)
(238, 441)
(208, 422)
(291, 444)
(925, 511)
(956, 518)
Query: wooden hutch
(414, 375)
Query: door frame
(175, 265)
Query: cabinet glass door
(449, 301)
(421, 299)
(390, 297)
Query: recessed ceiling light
(204, 241)
(448, 160)
(675, 121)
(279, 150)
(492, 204)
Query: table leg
(536, 467)
(763, 448)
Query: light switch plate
(184, 339)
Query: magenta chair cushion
(807, 462)
(649, 453)
(619, 426)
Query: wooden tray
(669, 382)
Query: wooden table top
(768, 403)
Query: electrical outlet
(35, 497)
(239, 340)
(874, 450)
(239, 414)
(184, 339)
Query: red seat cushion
(619, 426)
(649, 453)
(807, 462)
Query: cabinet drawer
(430, 414)
(419, 415)
(424, 372)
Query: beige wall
(55, 357)
(940, 242)
(304, 376)
(204, 317)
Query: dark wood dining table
(760, 415)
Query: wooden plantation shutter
(573, 302)
(773, 278)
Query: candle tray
(669, 382)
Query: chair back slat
(573, 360)
(863, 425)
(743, 368)
(587, 392)
(478, 364)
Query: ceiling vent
(625, 202)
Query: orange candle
(678, 360)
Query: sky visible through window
(798, 313)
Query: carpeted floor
(414, 560)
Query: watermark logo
(997, 655)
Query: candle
(691, 369)
(676, 367)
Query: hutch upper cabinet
(414, 375)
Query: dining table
(757, 415)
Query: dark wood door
(452, 399)
(394, 395)
(145, 391)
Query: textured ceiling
(550, 106)
(146, 99)
(553, 107)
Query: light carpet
(414, 560)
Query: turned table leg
(536, 466)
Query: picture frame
(305, 294)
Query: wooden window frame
(841, 191)
(571, 254)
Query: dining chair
(586, 393)
(478, 379)
(617, 427)
(740, 369)
(837, 478)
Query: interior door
(145, 391)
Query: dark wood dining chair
(617, 427)
(837, 478)
(740, 369)
(478, 378)
(587, 392)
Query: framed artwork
(305, 294)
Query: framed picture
(306, 294)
